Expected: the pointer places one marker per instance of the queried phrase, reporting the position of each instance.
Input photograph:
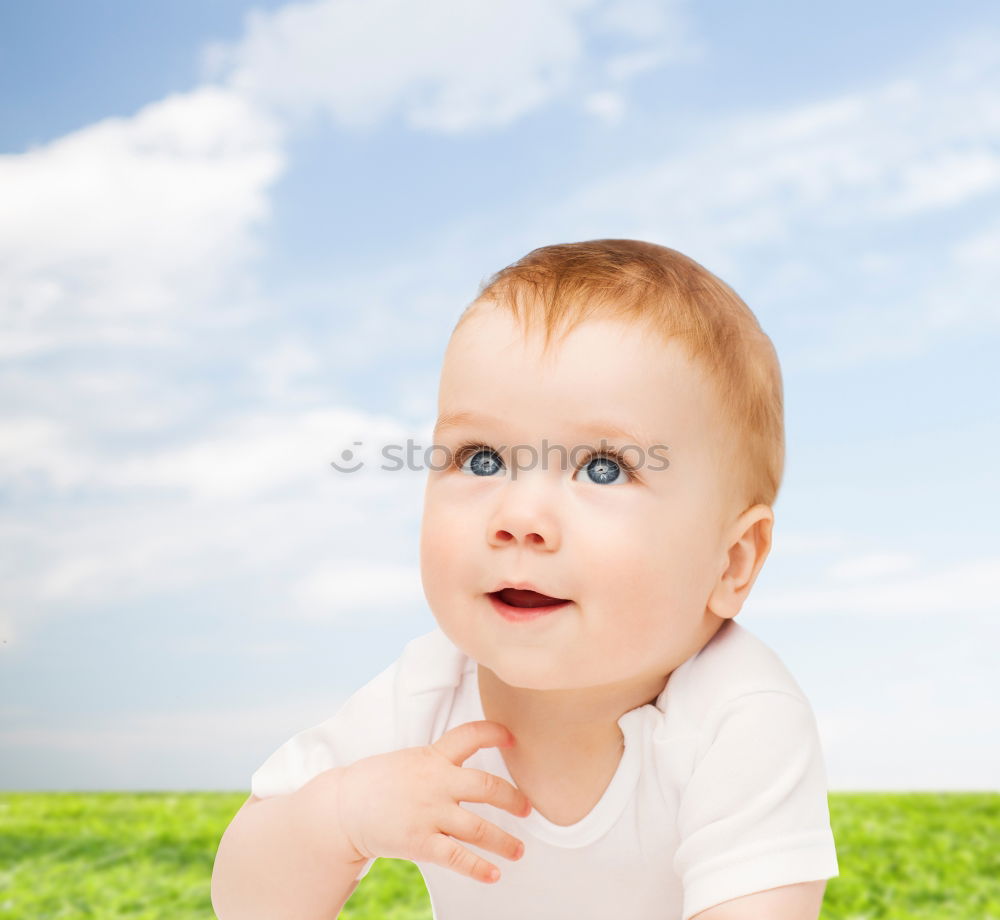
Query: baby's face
(637, 555)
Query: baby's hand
(404, 804)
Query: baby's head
(579, 350)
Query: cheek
(616, 546)
(645, 562)
(441, 517)
(433, 552)
(443, 535)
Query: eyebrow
(594, 427)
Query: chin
(540, 675)
(530, 682)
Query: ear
(747, 543)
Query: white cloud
(966, 296)
(205, 748)
(174, 731)
(449, 66)
(663, 29)
(606, 105)
(914, 735)
(349, 590)
(803, 543)
(624, 67)
(979, 250)
(71, 561)
(872, 566)
(245, 457)
(944, 179)
(251, 455)
(31, 448)
(283, 372)
(635, 17)
(966, 587)
(110, 233)
(256, 499)
(872, 155)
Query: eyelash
(471, 448)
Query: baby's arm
(286, 857)
(801, 901)
(297, 856)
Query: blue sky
(234, 239)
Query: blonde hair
(558, 287)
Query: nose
(525, 515)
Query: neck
(551, 719)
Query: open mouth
(515, 604)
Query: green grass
(921, 856)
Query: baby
(611, 416)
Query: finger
(448, 852)
(480, 786)
(472, 828)
(461, 742)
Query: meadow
(148, 856)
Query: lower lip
(523, 614)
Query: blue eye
(483, 461)
(603, 469)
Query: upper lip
(524, 586)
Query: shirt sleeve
(362, 727)
(754, 813)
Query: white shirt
(720, 792)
